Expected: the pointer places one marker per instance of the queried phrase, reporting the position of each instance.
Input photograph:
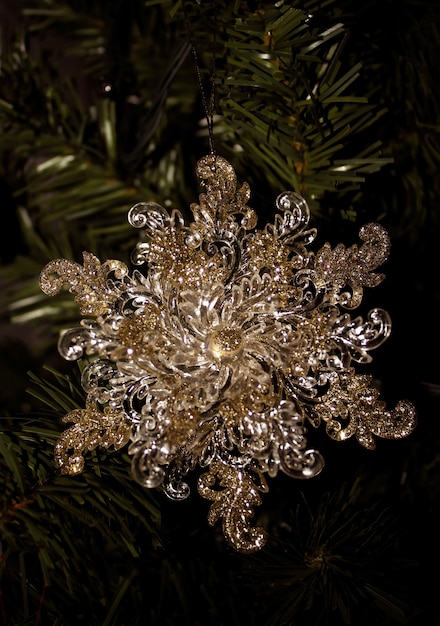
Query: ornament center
(226, 342)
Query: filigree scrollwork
(92, 427)
(90, 283)
(222, 201)
(353, 267)
(352, 406)
(221, 353)
(234, 493)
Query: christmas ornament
(229, 346)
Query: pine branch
(100, 108)
(324, 558)
(399, 55)
(76, 167)
(291, 104)
(60, 530)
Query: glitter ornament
(225, 350)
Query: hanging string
(208, 105)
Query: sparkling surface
(231, 343)
(225, 343)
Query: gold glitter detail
(92, 428)
(352, 407)
(267, 252)
(234, 494)
(89, 283)
(234, 412)
(222, 200)
(225, 343)
(316, 338)
(182, 427)
(131, 331)
(353, 266)
(221, 352)
(185, 267)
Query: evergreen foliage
(100, 108)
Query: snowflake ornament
(221, 353)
